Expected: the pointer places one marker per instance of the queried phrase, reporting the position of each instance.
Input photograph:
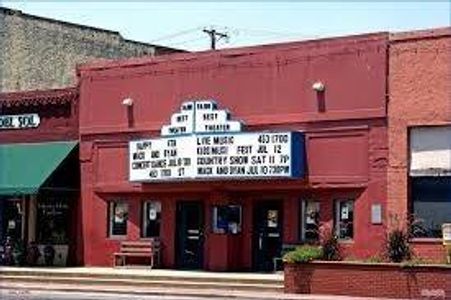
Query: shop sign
(19, 121)
(203, 143)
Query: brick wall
(429, 250)
(369, 280)
(419, 94)
(39, 53)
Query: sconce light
(127, 102)
(318, 86)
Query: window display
(52, 221)
(227, 219)
(431, 205)
(12, 219)
(151, 219)
(310, 220)
(344, 219)
(118, 215)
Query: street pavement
(6, 294)
(20, 294)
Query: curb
(177, 292)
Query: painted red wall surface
(57, 109)
(267, 87)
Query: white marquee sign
(19, 121)
(203, 143)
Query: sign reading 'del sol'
(19, 121)
(203, 143)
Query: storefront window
(118, 215)
(309, 220)
(431, 205)
(430, 180)
(151, 219)
(227, 219)
(12, 222)
(344, 219)
(52, 221)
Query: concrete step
(146, 275)
(145, 282)
(129, 278)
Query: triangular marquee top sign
(200, 117)
(202, 142)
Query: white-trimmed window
(430, 151)
(118, 215)
(430, 179)
(151, 219)
(344, 219)
(310, 211)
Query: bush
(329, 245)
(303, 254)
(398, 248)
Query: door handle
(260, 241)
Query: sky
(180, 24)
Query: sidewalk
(208, 294)
(141, 281)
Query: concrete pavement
(142, 282)
(24, 292)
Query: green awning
(25, 167)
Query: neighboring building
(39, 156)
(40, 171)
(39, 53)
(230, 196)
(419, 118)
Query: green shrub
(303, 254)
(398, 247)
(330, 246)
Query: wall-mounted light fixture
(318, 86)
(127, 102)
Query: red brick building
(226, 157)
(331, 92)
(39, 175)
(419, 118)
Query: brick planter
(369, 280)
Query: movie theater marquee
(202, 142)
